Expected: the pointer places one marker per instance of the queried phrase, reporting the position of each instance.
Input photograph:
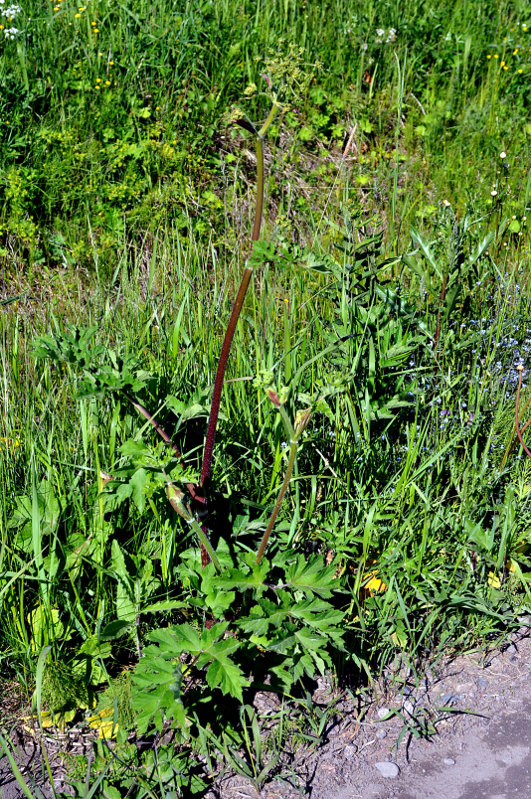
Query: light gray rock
(388, 770)
(382, 712)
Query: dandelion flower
(503, 154)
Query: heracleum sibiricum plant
(239, 606)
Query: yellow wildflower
(493, 580)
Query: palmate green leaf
(156, 691)
(240, 579)
(312, 577)
(228, 676)
(209, 647)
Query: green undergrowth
(367, 487)
(406, 525)
(114, 121)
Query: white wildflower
(11, 11)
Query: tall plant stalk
(294, 432)
(206, 468)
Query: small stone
(381, 734)
(407, 691)
(450, 699)
(388, 770)
(409, 707)
(382, 712)
(350, 751)
(449, 761)
(512, 649)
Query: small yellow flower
(524, 27)
(489, 56)
(493, 580)
(76, 16)
(111, 63)
(375, 585)
(97, 86)
(520, 71)
(502, 63)
(506, 68)
(496, 55)
(96, 30)
(10, 444)
(515, 52)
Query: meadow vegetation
(371, 386)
